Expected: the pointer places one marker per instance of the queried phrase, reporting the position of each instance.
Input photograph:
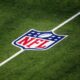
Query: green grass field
(61, 62)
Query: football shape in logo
(45, 35)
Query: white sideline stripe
(10, 58)
(60, 25)
(65, 22)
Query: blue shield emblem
(37, 40)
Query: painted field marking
(38, 43)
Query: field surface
(61, 62)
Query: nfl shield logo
(37, 40)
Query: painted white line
(19, 52)
(65, 22)
(10, 58)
